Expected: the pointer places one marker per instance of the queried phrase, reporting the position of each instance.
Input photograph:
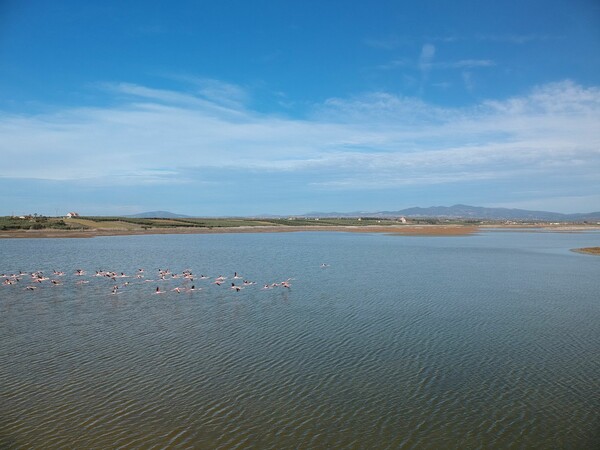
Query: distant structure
(71, 215)
(402, 219)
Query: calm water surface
(486, 341)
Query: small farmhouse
(71, 215)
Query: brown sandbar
(587, 250)
(405, 230)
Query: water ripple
(466, 351)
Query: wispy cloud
(468, 80)
(207, 93)
(466, 64)
(426, 63)
(426, 57)
(220, 92)
(516, 38)
(376, 140)
(394, 42)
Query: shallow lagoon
(481, 341)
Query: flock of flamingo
(33, 280)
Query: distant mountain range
(470, 212)
(441, 212)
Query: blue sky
(286, 107)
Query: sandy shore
(409, 230)
(562, 228)
(404, 230)
(587, 250)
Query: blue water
(483, 341)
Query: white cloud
(467, 64)
(217, 91)
(210, 95)
(467, 77)
(425, 63)
(516, 38)
(376, 140)
(426, 57)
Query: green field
(116, 223)
(38, 223)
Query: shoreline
(401, 230)
(405, 230)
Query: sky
(245, 108)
